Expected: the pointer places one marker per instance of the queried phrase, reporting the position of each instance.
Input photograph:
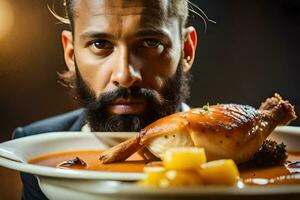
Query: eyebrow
(96, 34)
(152, 32)
(141, 33)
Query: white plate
(289, 135)
(91, 185)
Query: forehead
(100, 12)
(107, 7)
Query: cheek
(94, 72)
(159, 68)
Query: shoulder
(70, 121)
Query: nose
(124, 73)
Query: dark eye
(101, 44)
(151, 43)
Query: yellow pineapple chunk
(219, 172)
(153, 176)
(184, 158)
(180, 178)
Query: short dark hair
(175, 8)
(180, 8)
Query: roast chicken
(223, 130)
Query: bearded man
(128, 64)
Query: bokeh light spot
(6, 18)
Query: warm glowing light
(6, 18)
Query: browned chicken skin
(223, 130)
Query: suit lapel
(79, 122)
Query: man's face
(127, 56)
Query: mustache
(151, 96)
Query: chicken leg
(223, 130)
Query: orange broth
(281, 174)
(250, 176)
(135, 163)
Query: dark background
(250, 53)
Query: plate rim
(120, 188)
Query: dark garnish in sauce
(73, 162)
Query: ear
(189, 47)
(67, 42)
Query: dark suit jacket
(72, 121)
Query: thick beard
(175, 91)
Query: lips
(127, 106)
(127, 101)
